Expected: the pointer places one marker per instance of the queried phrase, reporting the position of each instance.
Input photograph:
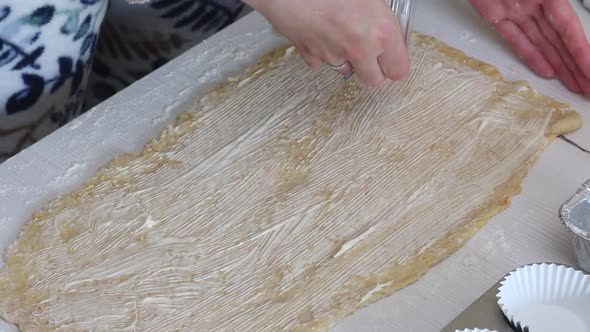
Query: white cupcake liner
(546, 297)
(475, 330)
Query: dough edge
(563, 121)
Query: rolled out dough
(286, 199)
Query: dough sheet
(285, 200)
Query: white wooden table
(529, 231)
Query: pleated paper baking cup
(475, 330)
(546, 297)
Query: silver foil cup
(575, 214)
(404, 10)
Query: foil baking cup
(575, 214)
(546, 297)
(404, 10)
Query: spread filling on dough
(286, 199)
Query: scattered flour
(468, 37)
(73, 171)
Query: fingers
(555, 40)
(312, 61)
(339, 64)
(344, 68)
(564, 20)
(534, 35)
(374, 51)
(382, 57)
(383, 53)
(366, 67)
(490, 11)
(369, 71)
(521, 44)
(394, 61)
(563, 72)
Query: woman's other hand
(546, 34)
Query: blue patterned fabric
(59, 57)
(129, 48)
(45, 55)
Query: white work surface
(529, 231)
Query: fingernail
(550, 73)
(546, 71)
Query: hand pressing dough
(287, 199)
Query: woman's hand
(364, 34)
(547, 34)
